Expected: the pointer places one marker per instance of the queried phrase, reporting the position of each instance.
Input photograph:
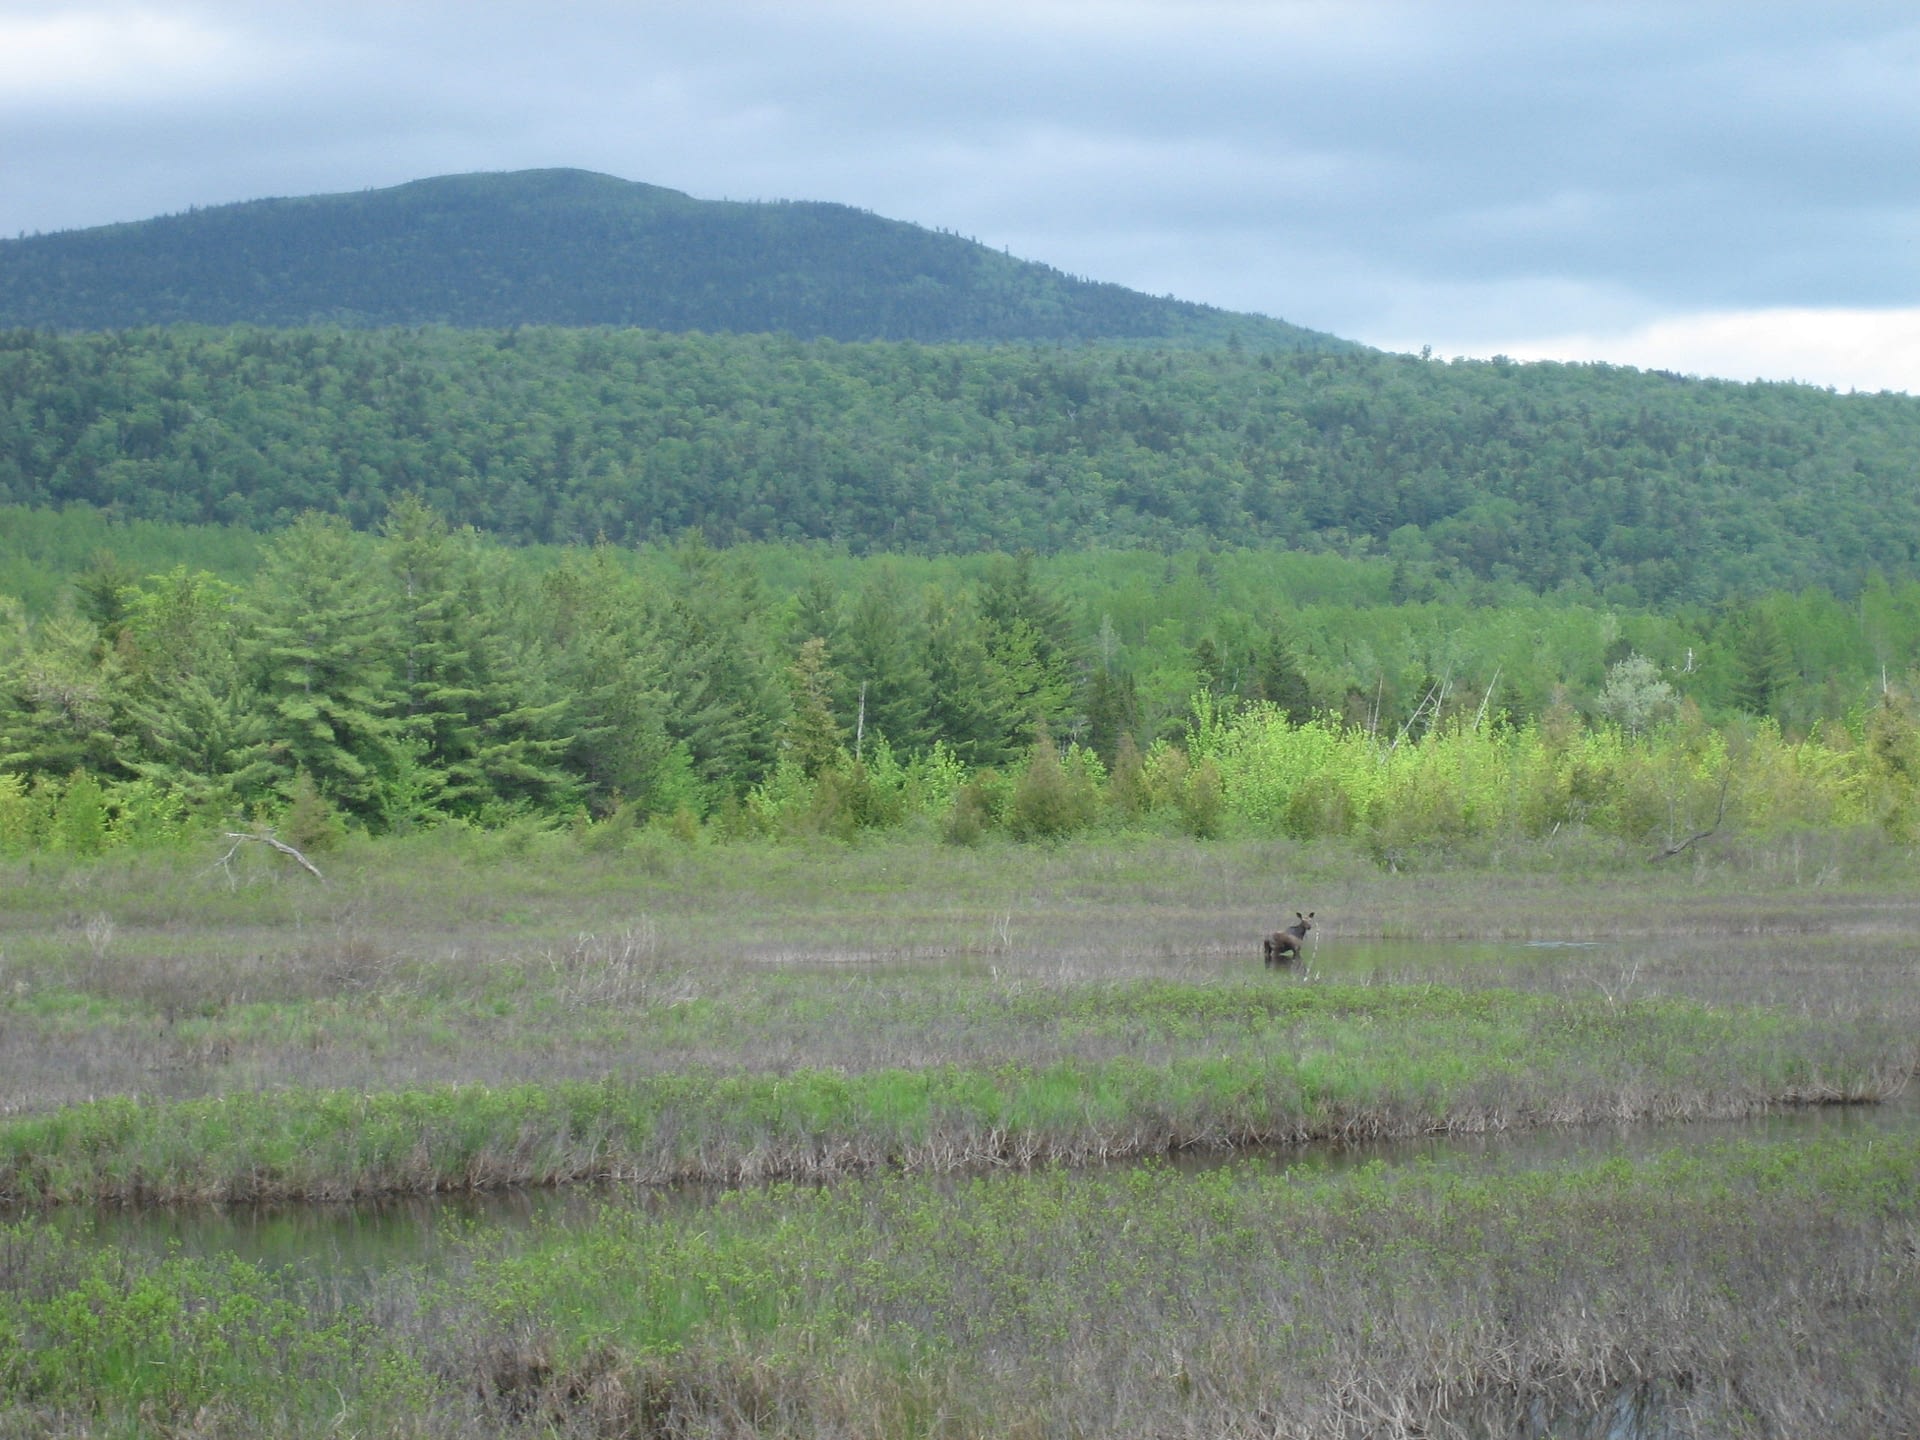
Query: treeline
(567, 247)
(424, 674)
(1611, 485)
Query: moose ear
(1307, 916)
(1298, 916)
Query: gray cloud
(1475, 170)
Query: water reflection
(1576, 1144)
(355, 1241)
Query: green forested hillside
(566, 247)
(1641, 487)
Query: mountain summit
(569, 247)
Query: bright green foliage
(134, 1343)
(20, 821)
(80, 817)
(422, 674)
(1271, 762)
(1030, 636)
(180, 624)
(1464, 781)
(849, 795)
(211, 746)
(322, 649)
(1892, 759)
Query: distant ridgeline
(1645, 487)
(567, 247)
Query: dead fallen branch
(1726, 775)
(240, 839)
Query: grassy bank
(1730, 1290)
(1113, 1070)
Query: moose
(1283, 946)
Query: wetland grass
(1036, 1070)
(927, 1026)
(1738, 1289)
(755, 1012)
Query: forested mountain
(1507, 553)
(1640, 487)
(567, 247)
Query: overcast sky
(1720, 188)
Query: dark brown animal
(1283, 946)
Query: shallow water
(352, 1242)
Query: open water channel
(353, 1242)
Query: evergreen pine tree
(1762, 663)
(885, 650)
(323, 653)
(1209, 670)
(1280, 680)
(101, 593)
(479, 729)
(1030, 638)
(193, 723)
(975, 708)
(1113, 711)
(62, 698)
(722, 683)
(811, 737)
(594, 643)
